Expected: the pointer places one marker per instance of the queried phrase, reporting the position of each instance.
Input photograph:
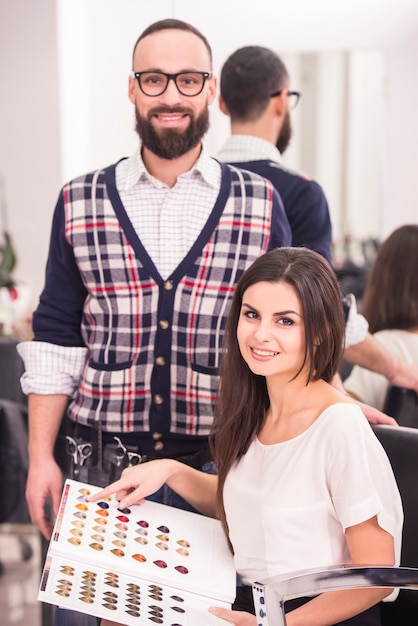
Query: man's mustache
(161, 110)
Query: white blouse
(288, 504)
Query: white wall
(57, 123)
(400, 153)
(29, 129)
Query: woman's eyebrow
(285, 312)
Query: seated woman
(297, 459)
(390, 305)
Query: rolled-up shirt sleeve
(54, 360)
(356, 327)
(50, 368)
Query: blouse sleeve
(362, 483)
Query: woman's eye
(286, 321)
(252, 315)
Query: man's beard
(285, 134)
(171, 143)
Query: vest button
(158, 446)
(168, 285)
(160, 360)
(158, 399)
(157, 436)
(164, 324)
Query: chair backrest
(401, 446)
(13, 463)
(402, 404)
(270, 595)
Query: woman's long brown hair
(243, 398)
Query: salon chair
(270, 595)
(402, 404)
(401, 446)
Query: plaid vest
(154, 344)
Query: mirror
(338, 133)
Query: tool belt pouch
(95, 471)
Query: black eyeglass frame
(296, 94)
(205, 75)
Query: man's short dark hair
(248, 78)
(171, 23)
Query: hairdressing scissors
(79, 452)
(121, 452)
(134, 458)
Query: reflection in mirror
(338, 140)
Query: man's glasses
(294, 97)
(187, 83)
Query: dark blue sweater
(304, 202)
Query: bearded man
(143, 262)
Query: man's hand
(374, 416)
(44, 481)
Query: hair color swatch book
(148, 564)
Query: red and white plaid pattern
(154, 344)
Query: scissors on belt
(79, 452)
(122, 452)
(134, 458)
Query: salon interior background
(64, 108)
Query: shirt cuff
(357, 327)
(51, 369)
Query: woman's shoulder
(343, 417)
(333, 402)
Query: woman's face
(271, 330)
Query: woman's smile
(263, 353)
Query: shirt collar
(131, 170)
(241, 148)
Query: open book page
(149, 563)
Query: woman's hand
(238, 618)
(138, 482)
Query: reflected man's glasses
(187, 83)
(294, 96)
